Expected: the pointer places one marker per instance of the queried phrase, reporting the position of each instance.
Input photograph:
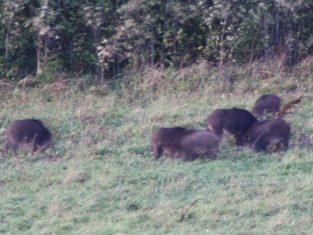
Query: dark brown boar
(233, 121)
(192, 144)
(268, 103)
(269, 132)
(28, 131)
(162, 139)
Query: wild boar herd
(181, 143)
(189, 144)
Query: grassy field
(99, 177)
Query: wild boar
(192, 144)
(268, 103)
(233, 121)
(162, 139)
(269, 132)
(27, 131)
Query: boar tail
(288, 106)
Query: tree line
(107, 37)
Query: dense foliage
(104, 37)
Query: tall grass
(99, 177)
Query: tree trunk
(290, 41)
(7, 47)
(164, 32)
(38, 50)
(265, 30)
(221, 53)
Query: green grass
(108, 182)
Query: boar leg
(278, 146)
(239, 139)
(261, 146)
(157, 151)
(11, 143)
(286, 143)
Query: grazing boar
(269, 132)
(162, 140)
(233, 121)
(192, 144)
(268, 103)
(28, 131)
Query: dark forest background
(104, 39)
